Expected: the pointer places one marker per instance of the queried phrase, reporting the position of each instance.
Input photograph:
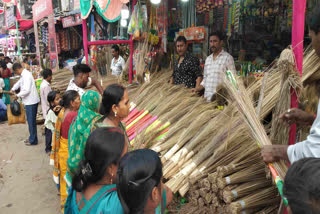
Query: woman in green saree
(80, 130)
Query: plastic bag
(15, 108)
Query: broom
(263, 197)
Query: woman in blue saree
(139, 183)
(93, 186)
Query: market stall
(109, 13)
(44, 25)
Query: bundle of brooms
(191, 140)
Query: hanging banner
(26, 7)
(71, 21)
(41, 9)
(11, 19)
(52, 43)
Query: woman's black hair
(3, 64)
(67, 97)
(112, 95)
(302, 186)
(104, 147)
(51, 96)
(138, 173)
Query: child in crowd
(3, 110)
(139, 183)
(70, 104)
(53, 99)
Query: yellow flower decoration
(78, 156)
(90, 102)
(77, 147)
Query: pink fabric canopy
(25, 24)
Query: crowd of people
(95, 168)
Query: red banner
(71, 21)
(41, 9)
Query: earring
(111, 178)
(115, 114)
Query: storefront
(44, 29)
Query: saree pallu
(63, 157)
(54, 157)
(6, 97)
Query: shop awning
(109, 10)
(25, 24)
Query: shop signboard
(71, 21)
(26, 7)
(41, 9)
(11, 19)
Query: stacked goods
(61, 79)
(203, 142)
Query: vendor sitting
(187, 69)
(117, 63)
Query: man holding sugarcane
(311, 146)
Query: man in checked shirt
(215, 66)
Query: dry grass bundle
(199, 107)
(248, 174)
(263, 197)
(247, 111)
(250, 157)
(245, 189)
(290, 80)
(269, 210)
(61, 79)
(179, 180)
(202, 138)
(195, 125)
(311, 67)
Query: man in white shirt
(215, 66)
(45, 88)
(30, 98)
(311, 146)
(82, 80)
(117, 63)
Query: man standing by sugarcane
(187, 69)
(215, 67)
(311, 146)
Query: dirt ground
(26, 184)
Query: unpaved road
(26, 184)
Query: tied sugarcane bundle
(263, 197)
